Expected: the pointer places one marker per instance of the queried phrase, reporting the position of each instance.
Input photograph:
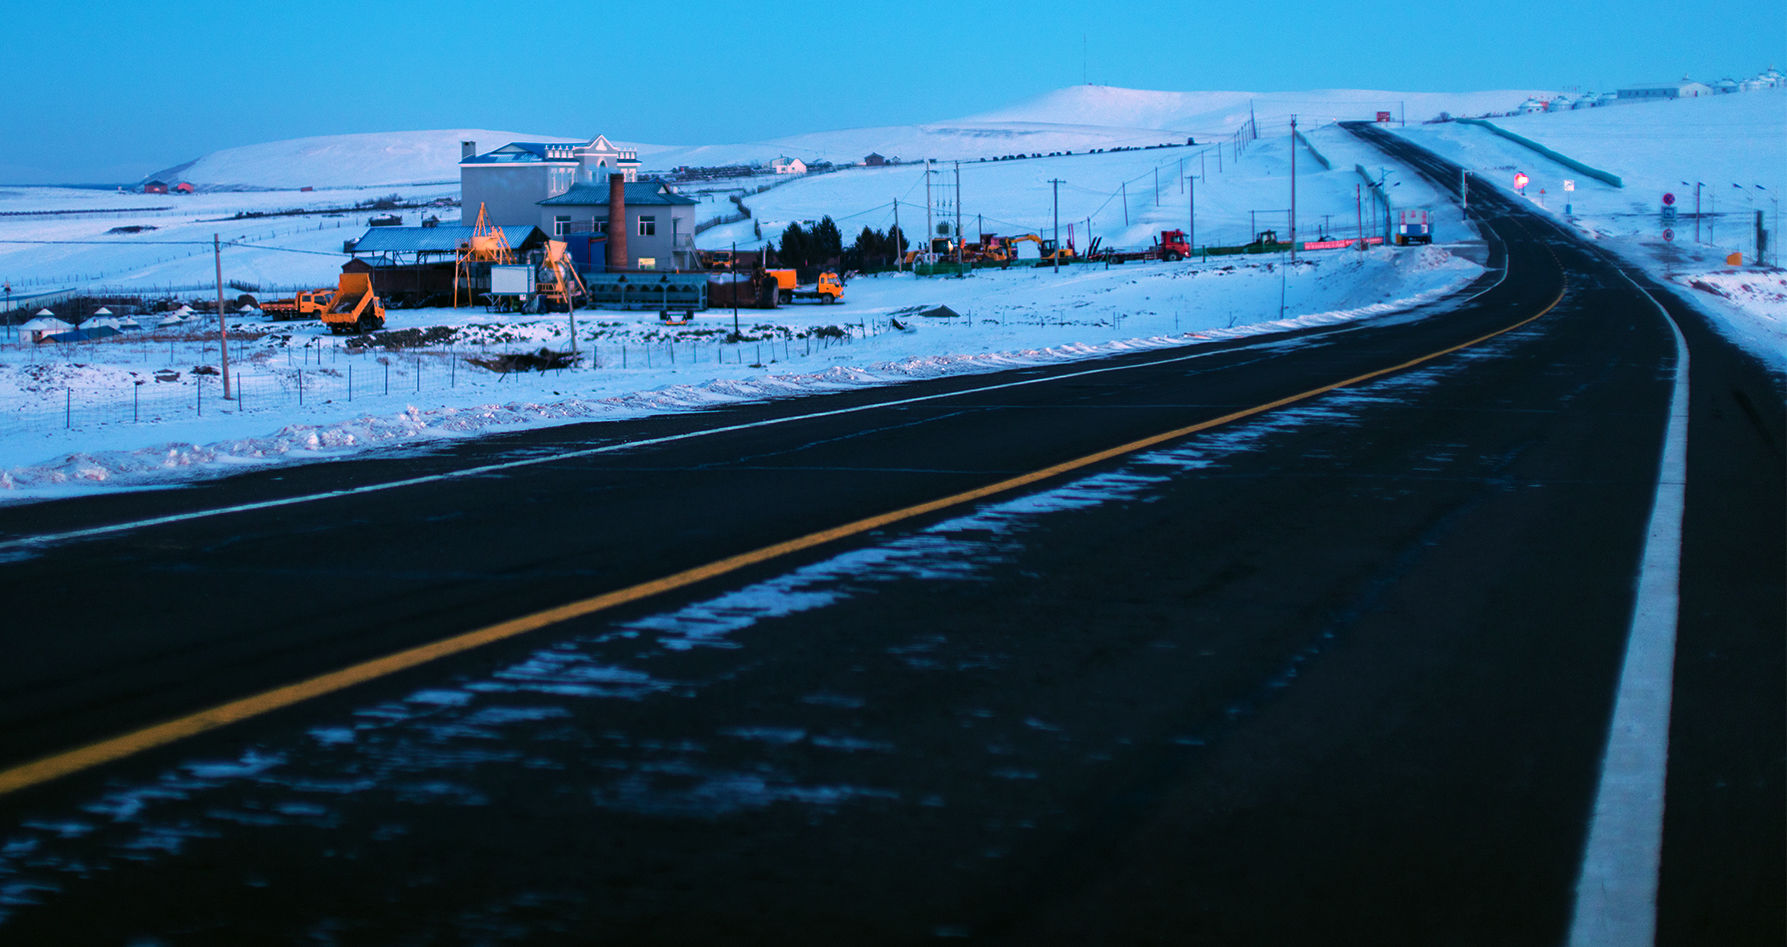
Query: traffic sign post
(1520, 180)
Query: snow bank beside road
(1011, 319)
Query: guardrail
(1607, 177)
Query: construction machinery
(354, 308)
(307, 304)
(829, 289)
(560, 288)
(1051, 253)
(475, 256)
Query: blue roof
(515, 151)
(637, 193)
(441, 239)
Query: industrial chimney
(468, 149)
(617, 222)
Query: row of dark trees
(822, 247)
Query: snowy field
(96, 415)
(1734, 146)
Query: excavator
(1050, 252)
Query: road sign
(1569, 185)
(1668, 198)
(1668, 235)
(1669, 213)
(1520, 179)
(1383, 118)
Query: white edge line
(1616, 889)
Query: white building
(511, 181)
(786, 165)
(1683, 88)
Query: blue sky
(120, 90)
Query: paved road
(1339, 671)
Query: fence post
(68, 408)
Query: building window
(648, 225)
(598, 225)
(561, 225)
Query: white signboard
(1569, 185)
(516, 280)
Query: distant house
(1533, 105)
(511, 181)
(873, 160)
(660, 222)
(155, 187)
(183, 188)
(1683, 88)
(44, 327)
(786, 165)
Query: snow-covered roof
(637, 193)
(42, 323)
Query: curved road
(1309, 638)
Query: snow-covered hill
(329, 161)
(1079, 119)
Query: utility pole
(896, 241)
(1191, 213)
(958, 213)
(1696, 211)
(1293, 189)
(1157, 186)
(735, 332)
(1464, 189)
(1359, 210)
(925, 248)
(223, 327)
(1125, 188)
(1056, 183)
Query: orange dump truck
(355, 307)
(829, 289)
(308, 304)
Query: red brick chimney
(617, 222)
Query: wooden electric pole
(223, 327)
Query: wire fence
(112, 381)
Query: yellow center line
(128, 744)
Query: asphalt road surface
(1338, 671)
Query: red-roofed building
(183, 188)
(155, 187)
